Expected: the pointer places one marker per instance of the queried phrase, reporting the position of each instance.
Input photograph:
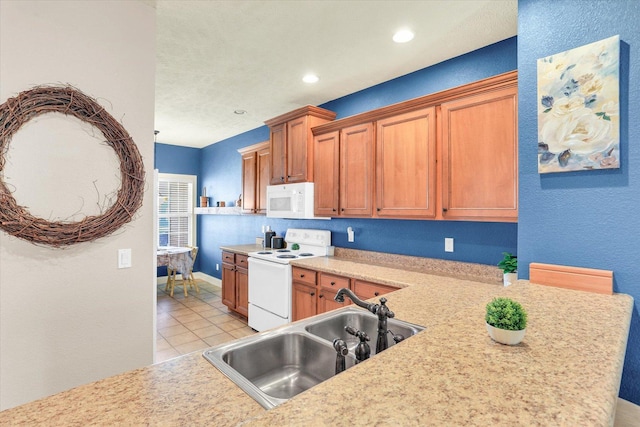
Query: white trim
(210, 279)
(193, 180)
(162, 280)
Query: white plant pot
(509, 278)
(504, 336)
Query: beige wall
(70, 316)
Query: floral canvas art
(578, 97)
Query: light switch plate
(124, 258)
(448, 244)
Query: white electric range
(270, 276)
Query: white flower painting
(578, 117)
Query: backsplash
(461, 270)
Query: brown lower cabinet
(235, 282)
(367, 290)
(313, 291)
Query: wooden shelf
(232, 210)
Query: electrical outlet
(350, 235)
(448, 244)
(217, 267)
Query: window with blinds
(175, 210)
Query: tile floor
(196, 322)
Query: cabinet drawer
(331, 281)
(302, 275)
(367, 290)
(241, 261)
(228, 257)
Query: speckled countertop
(566, 372)
(242, 249)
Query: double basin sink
(276, 365)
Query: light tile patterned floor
(196, 322)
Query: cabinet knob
(333, 283)
(301, 276)
(378, 209)
(444, 209)
(376, 293)
(320, 296)
(342, 209)
(312, 293)
(334, 209)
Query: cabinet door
(297, 140)
(242, 291)
(328, 287)
(249, 182)
(263, 160)
(356, 170)
(326, 301)
(229, 285)
(326, 174)
(368, 290)
(277, 148)
(303, 302)
(480, 157)
(406, 165)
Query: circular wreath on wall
(16, 220)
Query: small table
(178, 259)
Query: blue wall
(583, 218)
(178, 160)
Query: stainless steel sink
(276, 365)
(332, 326)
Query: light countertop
(566, 371)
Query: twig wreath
(16, 220)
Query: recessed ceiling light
(310, 78)
(403, 36)
(239, 112)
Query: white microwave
(294, 201)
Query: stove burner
(283, 250)
(287, 256)
(306, 254)
(265, 253)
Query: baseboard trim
(210, 279)
(162, 280)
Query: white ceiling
(214, 57)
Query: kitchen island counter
(566, 371)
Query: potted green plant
(509, 267)
(506, 321)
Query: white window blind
(175, 210)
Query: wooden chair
(190, 280)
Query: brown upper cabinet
(291, 143)
(406, 165)
(480, 156)
(255, 177)
(451, 155)
(344, 172)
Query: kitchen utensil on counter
(277, 242)
(268, 235)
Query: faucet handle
(356, 333)
(384, 310)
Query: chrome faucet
(380, 310)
